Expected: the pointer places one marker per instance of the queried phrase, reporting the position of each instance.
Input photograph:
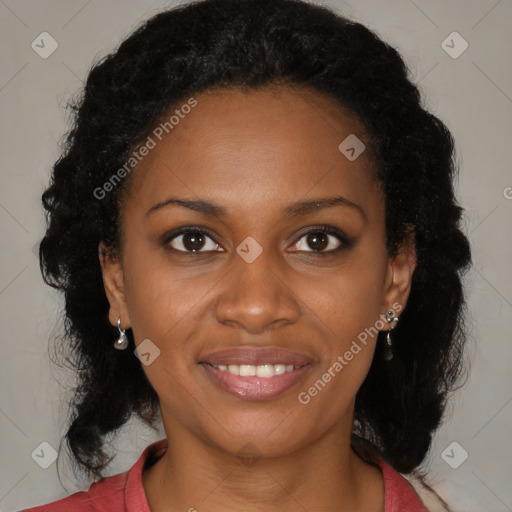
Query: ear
(399, 275)
(113, 281)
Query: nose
(257, 297)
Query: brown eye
(317, 241)
(323, 240)
(193, 241)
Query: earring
(388, 350)
(122, 342)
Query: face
(252, 244)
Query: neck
(326, 475)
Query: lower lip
(255, 388)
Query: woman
(256, 234)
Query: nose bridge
(256, 297)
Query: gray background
(472, 94)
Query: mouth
(256, 373)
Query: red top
(125, 493)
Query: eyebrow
(297, 209)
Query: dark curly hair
(251, 44)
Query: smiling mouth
(264, 371)
(257, 386)
(256, 372)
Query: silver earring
(388, 350)
(122, 342)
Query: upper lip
(256, 356)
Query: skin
(254, 153)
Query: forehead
(263, 146)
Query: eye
(323, 239)
(319, 240)
(192, 240)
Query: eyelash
(345, 241)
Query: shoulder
(400, 494)
(103, 496)
(119, 493)
(78, 501)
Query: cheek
(347, 307)
(167, 304)
(158, 295)
(349, 300)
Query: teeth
(234, 369)
(266, 370)
(279, 369)
(247, 370)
